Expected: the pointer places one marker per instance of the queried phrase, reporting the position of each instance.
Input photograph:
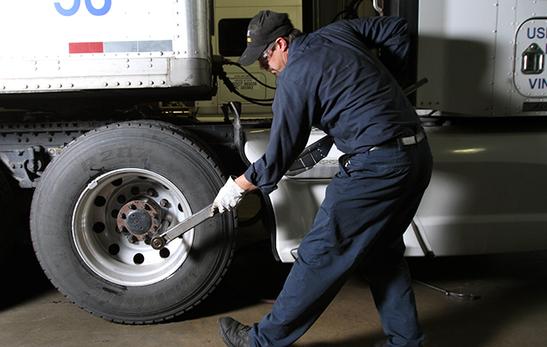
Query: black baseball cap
(263, 29)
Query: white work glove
(228, 196)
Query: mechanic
(331, 79)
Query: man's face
(274, 58)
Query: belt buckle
(345, 160)
(347, 163)
(409, 140)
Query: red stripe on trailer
(85, 47)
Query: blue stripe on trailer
(138, 46)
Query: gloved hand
(228, 196)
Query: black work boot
(234, 333)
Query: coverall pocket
(383, 162)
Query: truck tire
(77, 217)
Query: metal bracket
(234, 107)
(27, 148)
(378, 6)
(27, 165)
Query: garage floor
(511, 311)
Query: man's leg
(360, 205)
(390, 284)
(314, 280)
(388, 275)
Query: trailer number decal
(120, 46)
(101, 11)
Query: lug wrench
(194, 220)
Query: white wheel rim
(108, 252)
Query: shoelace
(244, 331)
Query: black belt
(401, 141)
(397, 142)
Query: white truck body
(473, 53)
(486, 166)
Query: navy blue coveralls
(333, 81)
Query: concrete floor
(511, 311)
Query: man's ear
(281, 44)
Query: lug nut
(164, 203)
(158, 243)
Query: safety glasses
(265, 56)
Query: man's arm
(244, 184)
(291, 126)
(390, 36)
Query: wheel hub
(141, 218)
(138, 222)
